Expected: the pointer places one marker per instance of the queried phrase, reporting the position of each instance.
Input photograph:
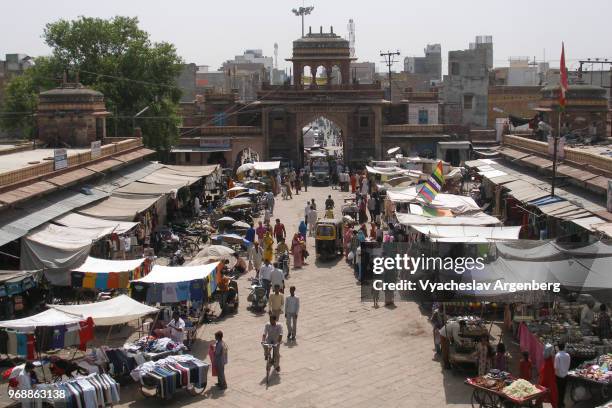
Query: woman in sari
(297, 250)
(303, 230)
(547, 376)
(268, 242)
(346, 241)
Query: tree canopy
(115, 57)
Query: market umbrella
(217, 251)
(237, 188)
(238, 203)
(231, 239)
(241, 224)
(226, 219)
(245, 167)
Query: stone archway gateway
(355, 108)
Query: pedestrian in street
(547, 376)
(371, 203)
(306, 179)
(268, 243)
(292, 178)
(373, 231)
(267, 216)
(279, 231)
(562, 365)
(278, 182)
(276, 303)
(484, 355)
(288, 188)
(297, 250)
(306, 211)
(313, 204)
(255, 257)
(265, 275)
(604, 322)
(250, 234)
(312, 221)
(221, 350)
(361, 205)
(298, 185)
(260, 231)
(270, 201)
(329, 203)
(292, 308)
(353, 183)
(303, 229)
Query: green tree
(118, 59)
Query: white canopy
(50, 317)
(193, 171)
(266, 166)
(456, 203)
(226, 219)
(118, 310)
(245, 167)
(84, 222)
(97, 265)
(446, 233)
(393, 150)
(238, 188)
(170, 177)
(173, 274)
(475, 220)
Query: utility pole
(389, 61)
(301, 12)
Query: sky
(209, 32)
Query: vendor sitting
(450, 332)
(175, 329)
(241, 265)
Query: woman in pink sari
(297, 250)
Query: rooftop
(15, 161)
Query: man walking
(276, 302)
(312, 221)
(562, 365)
(292, 308)
(265, 274)
(279, 231)
(255, 257)
(306, 179)
(220, 359)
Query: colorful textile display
(433, 185)
(93, 391)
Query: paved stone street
(347, 353)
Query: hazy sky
(209, 32)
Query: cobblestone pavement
(347, 353)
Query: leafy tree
(116, 58)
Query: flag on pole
(563, 83)
(433, 185)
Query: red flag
(563, 80)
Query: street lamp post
(303, 11)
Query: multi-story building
(467, 83)
(363, 72)
(430, 65)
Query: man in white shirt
(312, 221)
(177, 328)
(562, 365)
(277, 278)
(292, 308)
(265, 275)
(451, 331)
(587, 316)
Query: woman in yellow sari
(268, 242)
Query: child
(501, 359)
(525, 367)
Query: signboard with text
(60, 159)
(96, 149)
(215, 142)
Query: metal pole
(554, 167)
(302, 24)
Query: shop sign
(60, 159)
(96, 149)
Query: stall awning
(118, 310)
(174, 274)
(167, 176)
(456, 203)
(119, 208)
(469, 233)
(97, 265)
(198, 149)
(126, 176)
(475, 220)
(15, 223)
(75, 220)
(393, 150)
(48, 318)
(266, 166)
(147, 189)
(194, 171)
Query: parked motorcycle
(257, 296)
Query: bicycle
(271, 358)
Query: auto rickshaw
(328, 238)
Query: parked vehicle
(257, 296)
